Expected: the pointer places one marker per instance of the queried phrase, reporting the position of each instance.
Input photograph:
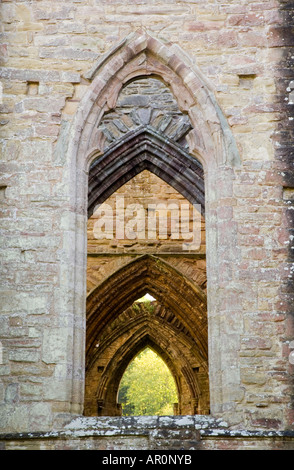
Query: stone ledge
(121, 426)
(158, 254)
(206, 426)
(164, 433)
(246, 434)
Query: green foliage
(149, 306)
(147, 387)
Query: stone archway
(147, 274)
(140, 150)
(182, 372)
(210, 140)
(175, 327)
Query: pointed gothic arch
(145, 149)
(147, 274)
(166, 335)
(211, 142)
(142, 55)
(138, 55)
(107, 391)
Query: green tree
(147, 387)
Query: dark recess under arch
(145, 149)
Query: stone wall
(229, 67)
(107, 253)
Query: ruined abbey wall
(79, 124)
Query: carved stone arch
(136, 316)
(148, 336)
(147, 274)
(145, 149)
(211, 141)
(107, 391)
(142, 55)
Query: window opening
(146, 298)
(147, 387)
(141, 225)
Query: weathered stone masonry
(68, 113)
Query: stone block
(12, 393)
(247, 191)
(280, 36)
(44, 105)
(8, 13)
(34, 75)
(31, 391)
(23, 13)
(67, 53)
(256, 343)
(57, 390)
(54, 13)
(51, 40)
(253, 377)
(24, 355)
(18, 418)
(14, 302)
(40, 416)
(55, 345)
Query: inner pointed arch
(148, 386)
(145, 149)
(155, 276)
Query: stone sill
(205, 427)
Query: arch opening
(130, 326)
(146, 298)
(136, 299)
(210, 140)
(148, 387)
